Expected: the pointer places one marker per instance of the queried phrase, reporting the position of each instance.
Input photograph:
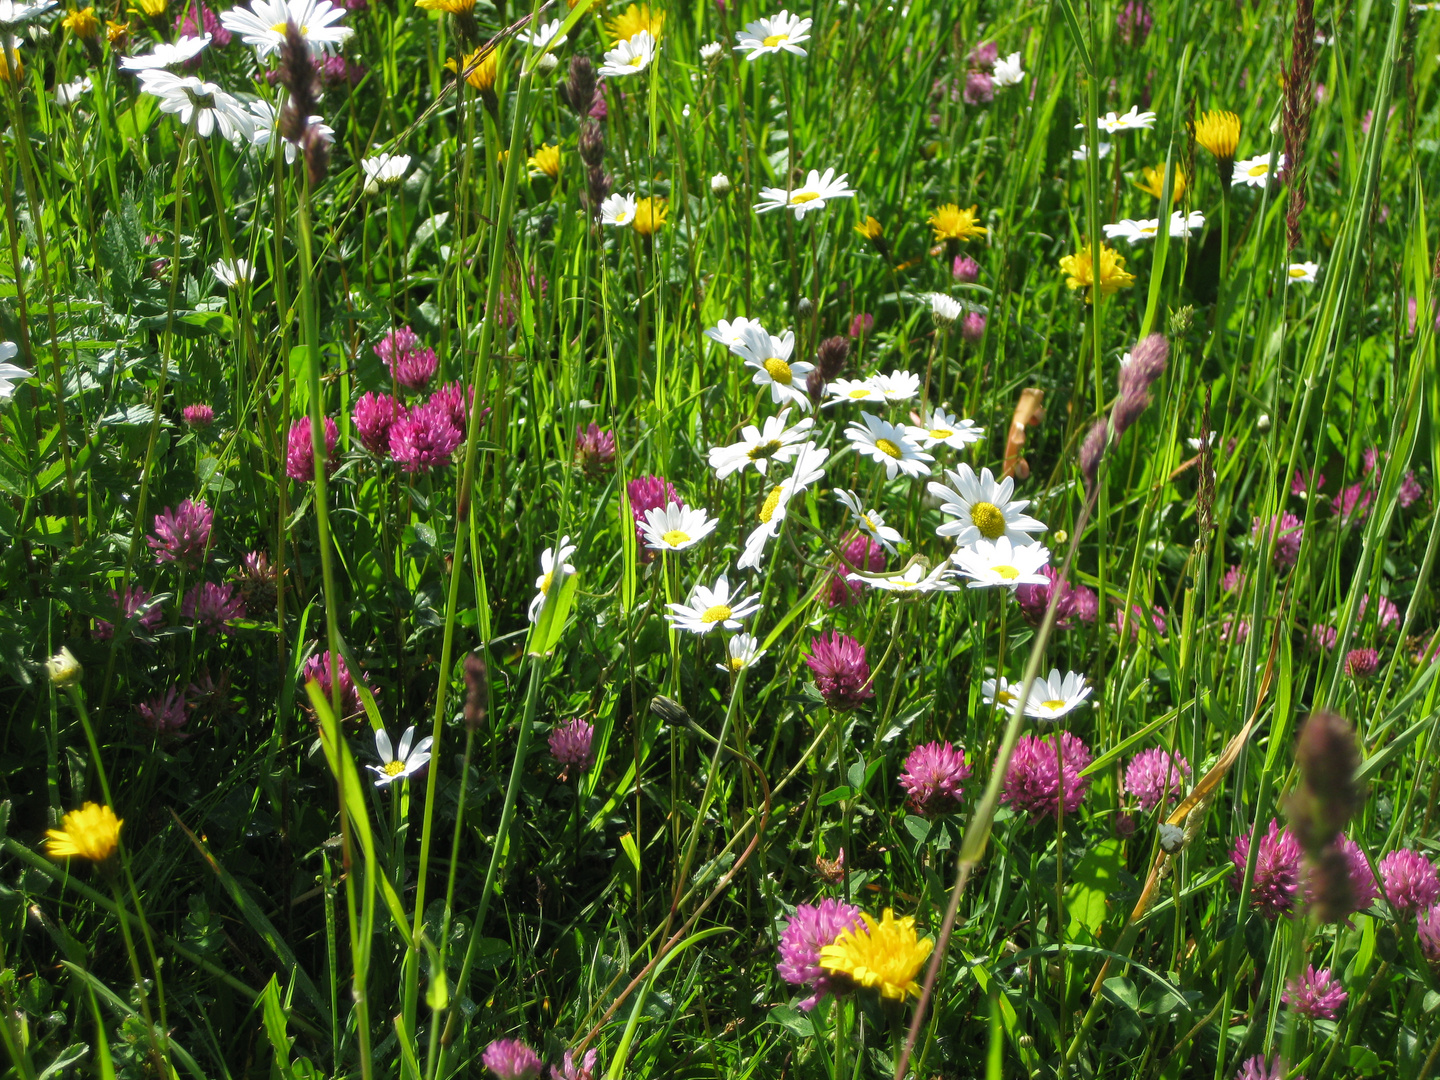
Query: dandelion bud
(63, 669)
(579, 90)
(477, 692)
(720, 184)
(1091, 450)
(592, 145)
(972, 327)
(831, 357)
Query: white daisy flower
(210, 107)
(742, 651)
(809, 467)
(267, 127)
(165, 55)
(887, 444)
(676, 527)
(708, 608)
(1053, 697)
(854, 390)
(1007, 72)
(1194, 444)
(1255, 171)
(69, 93)
(942, 429)
(617, 210)
(262, 24)
(982, 507)
(945, 309)
(915, 578)
(773, 34)
(404, 761)
(15, 14)
(9, 373)
(759, 446)
(997, 692)
(383, 170)
(711, 51)
(812, 195)
(897, 386)
(231, 274)
(1303, 271)
(1002, 563)
(629, 57)
(770, 357)
(1084, 151)
(1148, 228)
(539, 39)
(1134, 120)
(553, 561)
(870, 522)
(729, 333)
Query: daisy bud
(547, 63)
(63, 668)
(720, 184)
(592, 145)
(477, 692)
(830, 358)
(804, 308)
(579, 89)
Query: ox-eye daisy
(263, 23)
(708, 608)
(942, 429)
(554, 562)
(617, 210)
(403, 761)
(1303, 271)
(916, 578)
(629, 57)
(773, 34)
(854, 390)
(1002, 563)
(897, 386)
(770, 357)
(997, 691)
(982, 508)
(812, 195)
(676, 527)
(741, 651)
(884, 442)
(809, 467)
(870, 521)
(1144, 229)
(1255, 171)
(1134, 120)
(759, 446)
(729, 333)
(1053, 697)
(164, 54)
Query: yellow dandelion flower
(116, 32)
(871, 229)
(1113, 275)
(887, 958)
(480, 68)
(952, 223)
(634, 19)
(546, 160)
(82, 23)
(650, 215)
(1155, 182)
(153, 9)
(92, 832)
(1219, 132)
(450, 7)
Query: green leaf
(1094, 878)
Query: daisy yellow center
(1297, 271)
(771, 502)
(394, 768)
(1258, 170)
(869, 522)
(637, 59)
(776, 39)
(940, 433)
(1004, 697)
(859, 392)
(736, 664)
(279, 28)
(804, 197)
(1009, 573)
(675, 537)
(764, 450)
(1053, 703)
(545, 584)
(1149, 230)
(885, 446)
(718, 613)
(779, 370)
(988, 518)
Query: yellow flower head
(546, 160)
(952, 223)
(153, 9)
(82, 23)
(92, 832)
(480, 70)
(1113, 275)
(116, 32)
(451, 7)
(1155, 182)
(1219, 132)
(634, 19)
(872, 230)
(886, 956)
(11, 67)
(650, 215)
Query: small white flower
(263, 23)
(1255, 171)
(946, 309)
(267, 127)
(759, 446)
(897, 386)
(708, 608)
(730, 334)
(1134, 120)
(1002, 563)
(884, 442)
(1148, 228)
(1007, 71)
(997, 692)
(231, 274)
(1194, 444)
(770, 357)
(676, 527)
(69, 93)
(742, 651)
(384, 169)
(617, 210)
(942, 429)
(629, 57)
(1303, 271)
(810, 196)
(1084, 151)
(854, 390)
(771, 35)
(1053, 697)
(165, 55)
(9, 373)
(1172, 837)
(402, 762)
(210, 107)
(720, 184)
(870, 521)
(916, 578)
(15, 13)
(809, 467)
(539, 39)
(711, 52)
(63, 668)
(547, 63)
(553, 561)
(982, 508)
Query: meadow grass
(543, 718)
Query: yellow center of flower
(1297, 271)
(545, 584)
(1004, 697)
(868, 523)
(776, 39)
(736, 664)
(779, 370)
(718, 613)
(1009, 573)
(940, 433)
(772, 501)
(1258, 170)
(394, 768)
(804, 197)
(675, 537)
(764, 450)
(859, 392)
(1053, 703)
(637, 60)
(988, 519)
(1149, 230)
(279, 28)
(885, 446)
